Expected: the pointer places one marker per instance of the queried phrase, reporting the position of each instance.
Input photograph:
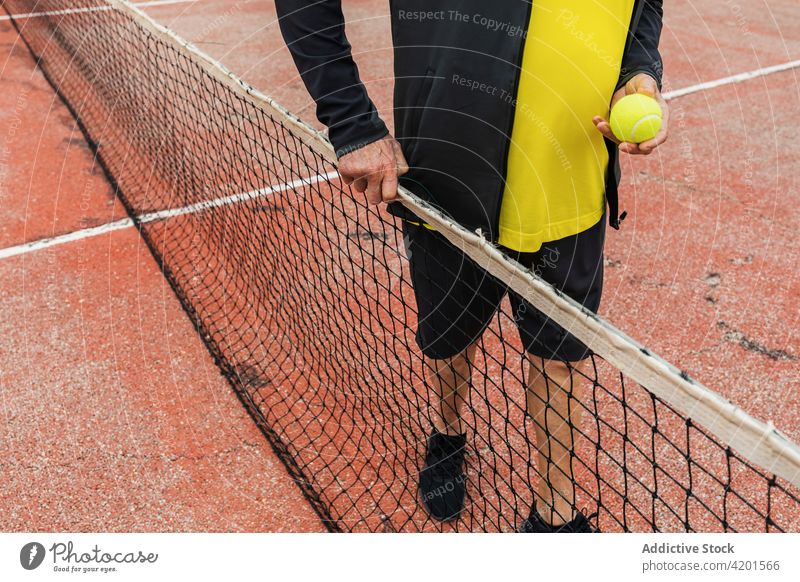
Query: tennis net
(301, 293)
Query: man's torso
(457, 76)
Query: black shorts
(456, 299)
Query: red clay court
(117, 418)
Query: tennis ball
(635, 118)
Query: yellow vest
(557, 158)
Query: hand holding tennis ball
(635, 118)
(639, 117)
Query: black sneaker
(442, 479)
(580, 524)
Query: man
(500, 112)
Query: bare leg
(556, 426)
(450, 380)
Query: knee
(550, 373)
(459, 364)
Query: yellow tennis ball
(635, 118)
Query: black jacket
(456, 140)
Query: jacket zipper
(615, 217)
(638, 8)
(510, 125)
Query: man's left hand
(641, 83)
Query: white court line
(65, 238)
(234, 198)
(160, 215)
(732, 79)
(91, 9)
(669, 95)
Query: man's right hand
(374, 169)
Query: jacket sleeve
(641, 54)
(314, 33)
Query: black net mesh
(302, 294)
